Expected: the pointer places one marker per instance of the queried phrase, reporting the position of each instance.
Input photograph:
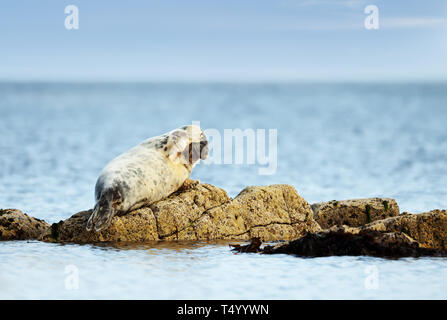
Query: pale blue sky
(225, 40)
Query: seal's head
(187, 144)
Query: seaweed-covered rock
(429, 228)
(16, 225)
(355, 212)
(347, 241)
(202, 212)
(253, 247)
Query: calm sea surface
(335, 141)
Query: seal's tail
(100, 217)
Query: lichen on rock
(355, 212)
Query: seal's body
(146, 173)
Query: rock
(16, 225)
(347, 241)
(179, 212)
(254, 246)
(354, 213)
(137, 226)
(429, 228)
(277, 212)
(202, 212)
(160, 220)
(273, 212)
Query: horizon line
(222, 81)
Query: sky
(225, 40)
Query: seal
(146, 173)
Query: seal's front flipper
(100, 217)
(189, 184)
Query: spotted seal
(146, 173)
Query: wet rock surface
(346, 241)
(253, 247)
(355, 212)
(16, 225)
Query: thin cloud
(386, 23)
(307, 3)
(324, 26)
(412, 22)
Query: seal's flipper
(192, 153)
(188, 144)
(100, 217)
(177, 142)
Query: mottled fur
(146, 173)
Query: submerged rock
(354, 213)
(347, 241)
(16, 225)
(202, 212)
(253, 247)
(429, 228)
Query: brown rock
(429, 228)
(163, 219)
(182, 209)
(16, 225)
(354, 213)
(273, 212)
(202, 212)
(137, 226)
(254, 246)
(347, 241)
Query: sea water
(335, 141)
